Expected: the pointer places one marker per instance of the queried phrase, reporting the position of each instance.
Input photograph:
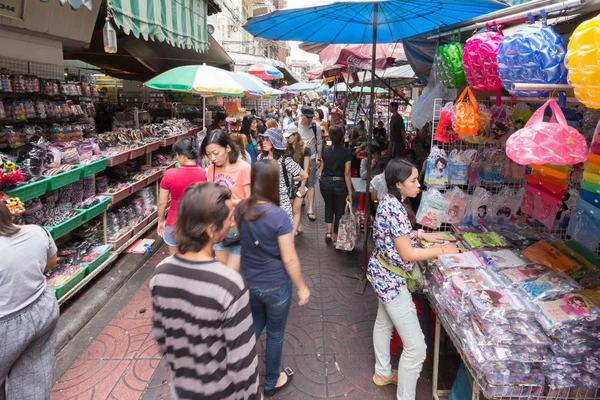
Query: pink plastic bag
(553, 142)
(480, 60)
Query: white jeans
(400, 313)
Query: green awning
(180, 23)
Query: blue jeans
(270, 308)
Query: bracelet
(420, 233)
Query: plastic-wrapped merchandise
(480, 60)
(458, 201)
(544, 253)
(584, 225)
(479, 208)
(468, 260)
(483, 240)
(502, 259)
(492, 165)
(483, 133)
(458, 166)
(569, 309)
(432, 209)
(423, 107)
(515, 276)
(549, 285)
(467, 281)
(505, 205)
(445, 130)
(448, 62)
(436, 174)
(466, 116)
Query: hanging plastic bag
(492, 165)
(466, 121)
(584, 225)
(436, 173)
(547, 142)
(521, 115)
(474, 170)
(505, 205)
(422, 111)
(458, 166)
(448, 62)
(533, 54)
(348, 230)
(445, 130)
(482, 135)
(457, 205)
(480, 60)
(583, 63)
(540, 205)
(480, 208)
(501, 124)
(432, 209)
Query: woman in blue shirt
(250, 129)
(269, 265)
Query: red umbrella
(359, 55)
(320, 72)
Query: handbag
(467, 114)
(414, 278)
(348, 230)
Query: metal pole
(346, 96)
(540, 86)
(369, 139)
(391, 89)
(358, 107)
(203, 112)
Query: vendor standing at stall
(397, 144)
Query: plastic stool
(361, 202)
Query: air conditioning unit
(210, 29)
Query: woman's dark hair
(220, 116)
(186, 147)
(7, 228)
(321, 115)
(202, 204)
(264, 180)
(336, 134)
(399, 170)
(287, 112)
(246, 124)
(220, 138)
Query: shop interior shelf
(102, 257)
(118, 243)
(120, 195)
(149, 224)
(135, 153)
(141, 225)
(96, 210)
(30, 190)
(64, 178)
(153, 147)
(154, 177)
(118, 159)
(94, 167)
(60, 291)
(164, 142)
(138, 185)
(66, 226)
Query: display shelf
(64, 178)
(118, 243)
(118, 158)
(94, 167)
(93, 265)
(139, 185)
(93, 212)
(138, 152)
(112, 257)
(30, 190)
(66, 287)
(152, 146)
(66, 226)
(154, 177)
(170, 140)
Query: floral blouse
(391, 222)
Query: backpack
(313, 126)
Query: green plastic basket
(91, 266)
(94, 167)
(65, 227)
(29, 191)
(98, 209)
(64, 179)
(70, 284)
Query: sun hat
(290, 130)
(276, 138)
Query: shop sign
(12, 8)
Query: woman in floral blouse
(395, 244)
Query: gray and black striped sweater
(203, 324)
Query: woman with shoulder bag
(290, 173)
(269, 266)
(391, 272)
(228, 170)
(300, 153)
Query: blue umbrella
(302, 87)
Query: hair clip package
(549, 285)
(569, 309)
(516, 276)
(432, 210)
(502, 259)
(436, 173)
(458, 202)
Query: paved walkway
(328, 343)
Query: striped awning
(180, 23)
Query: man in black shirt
(397, 132)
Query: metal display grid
(41, 70)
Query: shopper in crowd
(241, 144)
(336, 187)
(336, 118)
(270, 265)
(375, 157)
(272, 123)
(219, 121)
(378, 184)
(273, 146)
(325, 110)
(261, 128)
(320, 121)
(397, 144)
(250, 130)
(201, 312)
(395, 248)
(287, 119)
(310, 133)
(380, 134)
(300, 153)
(295, 111)
(228, 170)
(173, 185)
(28, 310)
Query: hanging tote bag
(466, 120)
(449, 66)
(445, 130)
(553, 142)
(480, 60)
(348, 230)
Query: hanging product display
(436, 174)
(448, 62)
(482, 135)
(445, 129)
(501, 123)
(466, 121)
(480, 60)
(583, 62)
(432, 210)
(547, 142)
(534, 54)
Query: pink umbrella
(359, 55)
(265, 72)
(320, 72)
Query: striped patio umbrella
(264, 71)
(268, 90)
(204, 80)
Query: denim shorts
(168, 239)
(235, 250)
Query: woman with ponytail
(395, 249)
(173, 185)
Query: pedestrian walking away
(310, 133)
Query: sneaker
(380, 380)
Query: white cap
(290, 130)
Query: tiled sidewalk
(328, 343)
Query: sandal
(328, 237)
(311, 217)
(272, 392)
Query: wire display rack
(42, 70)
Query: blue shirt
(252, 149)
(261, 266)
